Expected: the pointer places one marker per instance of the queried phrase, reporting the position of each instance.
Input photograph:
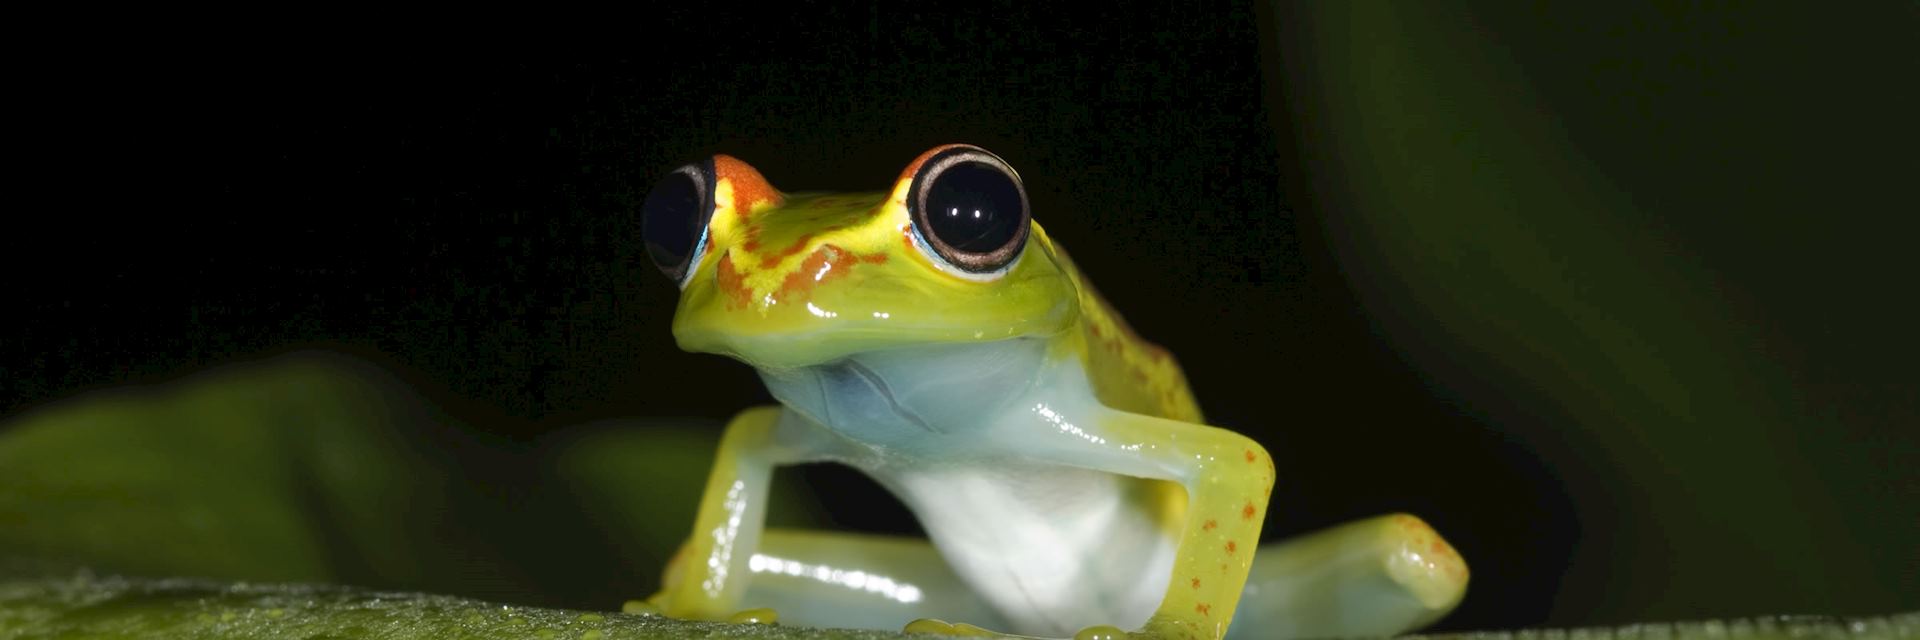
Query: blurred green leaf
(316, 467)
(290, 470)
(1652, 243)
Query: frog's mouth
(850, 377)
(938, 389)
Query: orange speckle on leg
(1204, 609)
(1209, 525)
(1246, 512)
(1232, 547)
(1196, 583)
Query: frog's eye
(674, 219)
(968, 206)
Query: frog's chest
(1055, 549)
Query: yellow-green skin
(847, 315)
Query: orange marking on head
(1232, 547)
(1204, 609)
(824, 265)
(1249, 456)
(1209, 525)
(1196, 583)
(752, 245)
(732, 284)
(750, 189)
(1246, 512)
(773, 259)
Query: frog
(934, 337)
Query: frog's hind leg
(838, 579)
(1376, 577)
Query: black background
(468, 217)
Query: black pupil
(974, 207)
(671, 220)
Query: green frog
(934, 337)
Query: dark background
(1246, 184)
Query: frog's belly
(1054, 549)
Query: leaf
(122, 608)
(131, 608)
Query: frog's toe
(942, 627)
(755, 616)
(1103, 632)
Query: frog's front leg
(1228, 478)
(707, 578)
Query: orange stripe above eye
(750, 189)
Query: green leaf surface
(85, 607)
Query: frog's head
(950, 254)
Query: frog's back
(1127, 372)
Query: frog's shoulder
(1127, 371)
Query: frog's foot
(1106, 632)
(760, 615)
(655, 606)
(942, 627)
(1376, 577)
(640, 607)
